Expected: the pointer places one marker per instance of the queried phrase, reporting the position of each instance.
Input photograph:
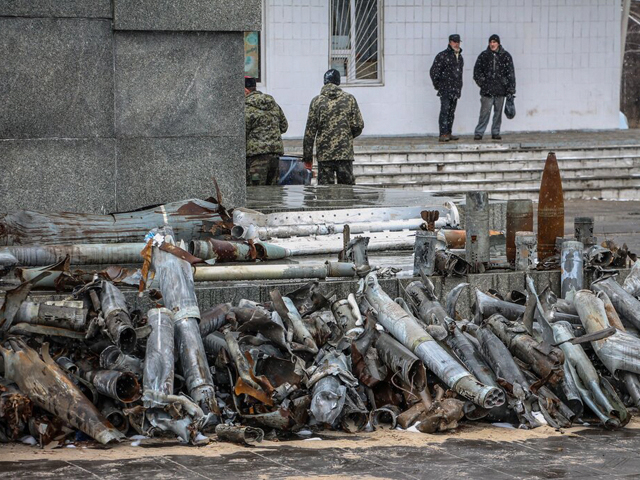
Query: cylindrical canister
(526, 247)
(583, 230)
(477, 227)
(519, 219)
(571, 263)
(424, 252)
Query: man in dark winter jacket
(265, 124)
(446, 75)
(495, 75)
(334, 121)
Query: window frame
(344, 81)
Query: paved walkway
(520, 140)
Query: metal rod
(272, 272)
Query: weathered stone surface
(58, 175)
(175, 84)
(160, 170)
(188, 15)
(56, 78)
(56, 8)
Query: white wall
(566, 54)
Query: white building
(566, 54)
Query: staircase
(610, 172)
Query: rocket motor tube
(519, 219)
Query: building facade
(566, 55)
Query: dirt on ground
(326, 439)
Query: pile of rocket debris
(85, 365)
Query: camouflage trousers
(262, 169)
(342, 169)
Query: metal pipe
(237, 434)
(115, 415)
(44, 382)
(273, 272)
(402, 362)
(627, 306)
(620, 351)
(223, 251)
(406, 329)
(450, 264)
(116, 316)
(572, 263)
(159, 359)
(477, 244)
(121, 386)
(186, 217)
(112, 358)
(595, 391)
(519, 219)
(632, 282)
(80, 254)
(66, 316)
(526, 251)
(583, 231)
(175, 279)
(545, 364)
(329, 387)
(424, 253)
(597, 256)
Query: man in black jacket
(446, 75)
(495, 75)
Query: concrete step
(503, 151)
(389, 175)
(470, 166)
(610, 187)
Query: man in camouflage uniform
(265, 124)
(334, 121)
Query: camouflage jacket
(334, 121)
(265, 124)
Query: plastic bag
(510, 107)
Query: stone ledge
(56, 8)
(188, 15)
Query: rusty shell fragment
(550, 208)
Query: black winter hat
(494, 37)
(332, 76)
(249, 82)
(454, 37)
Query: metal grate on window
(356, 40)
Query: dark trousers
(447, 114)
(486, 104)
(342, 169)
(262, 169)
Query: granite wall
(112, 105)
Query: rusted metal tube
(550, 208)
(273, 272)
(477, 227)
(61, 316)
(449, 264)
(488, 305)
(406, 329)
(329, 387)
(269, 251)
(175, 279)
(214, 318)
(401, 361)
(116, 316)
(456, 239)
(627, 306)
(526, 348)
(112, 358)
(597, 256)
(121, 386)
(115, 415)
(519, 219)
(583, 231)
(52, 390)
(222, 251)
(26, 227)
(81, 254)
(241, 435)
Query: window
(356, 40)
(252, 55)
